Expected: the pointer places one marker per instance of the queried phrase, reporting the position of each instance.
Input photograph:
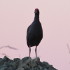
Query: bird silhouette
(8, 47)
(34, 32)
(68, 47)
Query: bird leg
(29, 51)
(36, 51)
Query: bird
(8, 47)
(68, 47)
(34, 32)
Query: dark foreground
(25, 63)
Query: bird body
(34, 31)
(34, 34)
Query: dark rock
(20, 69)
(25, 59)
(16, 62)
(6, 58)
(16, 59)
(1, 61)
(3, 68)
(25, 63)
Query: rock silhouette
(25, 63)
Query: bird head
(36, 11)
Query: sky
(17, 15)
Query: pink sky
(17, 15)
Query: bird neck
(36, 17)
